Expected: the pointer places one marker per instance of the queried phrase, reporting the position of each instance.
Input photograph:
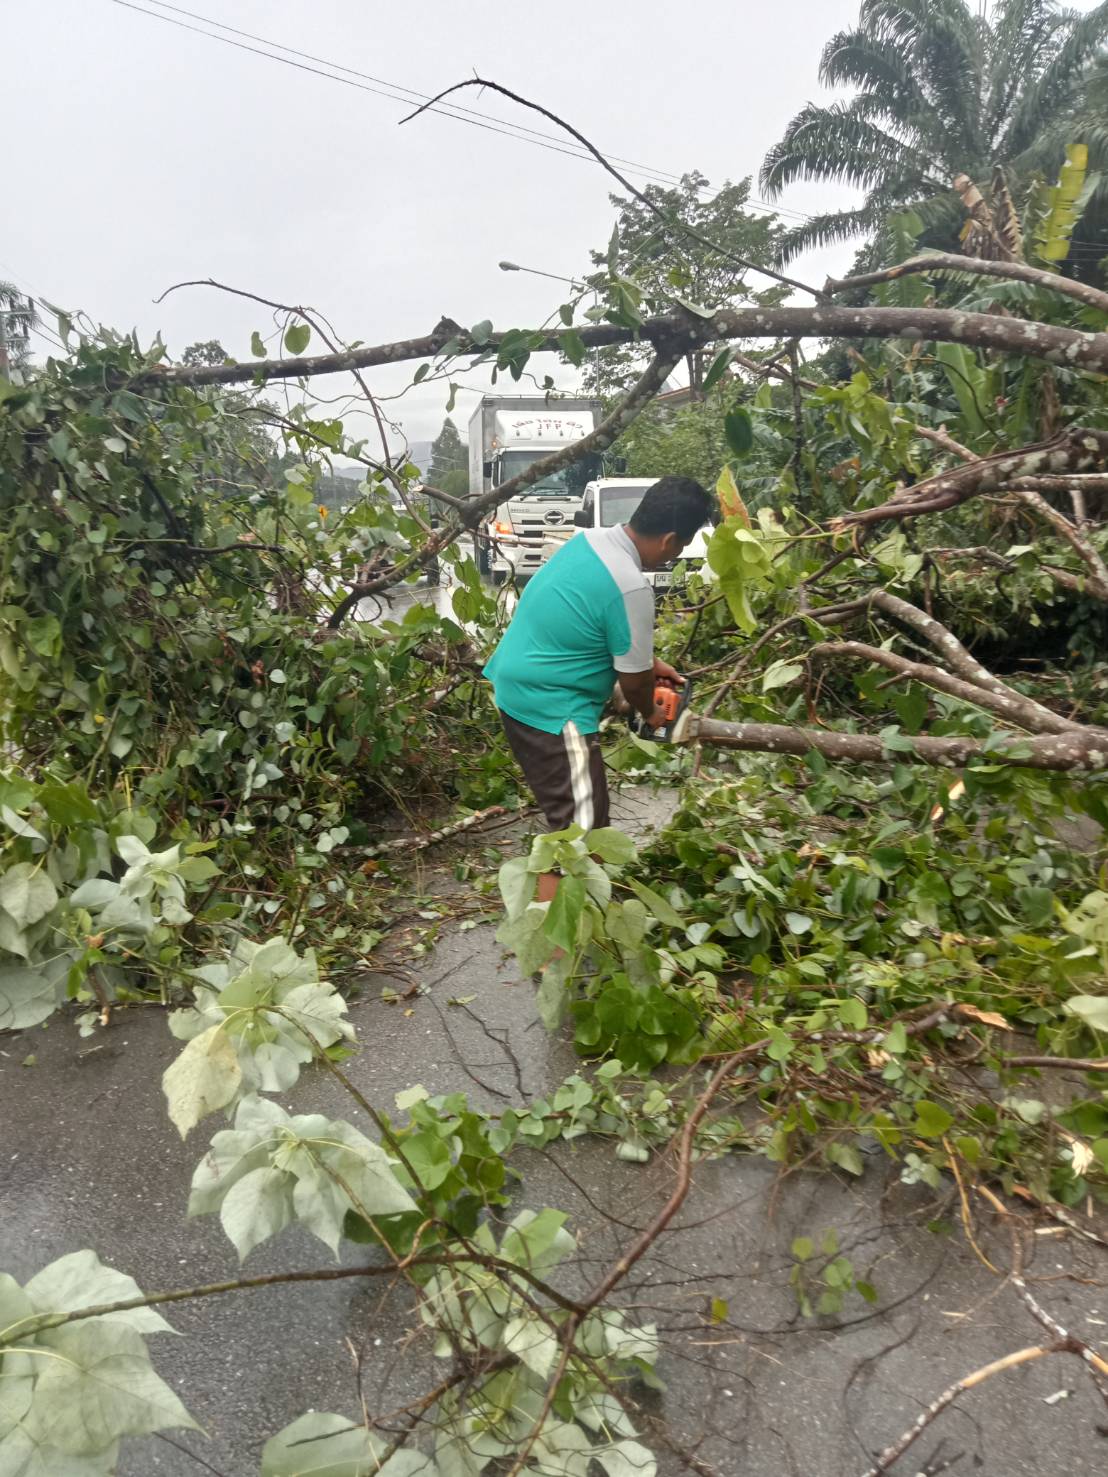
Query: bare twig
(651, 205)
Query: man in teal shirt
(583, 622)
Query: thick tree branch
(636, 399)
(1097, 582)
(1023, 712)
(1078, 449)
(1086, 751)
(1087, 482)
(682, 332)
(941, 262)
(962, 661)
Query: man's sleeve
(638, 611)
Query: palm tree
(944, 89)
(17, 318)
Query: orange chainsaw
(674, 704)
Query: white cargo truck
(507, 434)
(610, 500)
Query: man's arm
(638, 689)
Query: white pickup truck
(612, 500)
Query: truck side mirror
(486, 469)
(582, 519)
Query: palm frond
(837, 143)
(939, 40)
(1058, 89)
(823, 230)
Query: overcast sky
(141, 154)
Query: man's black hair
(674, 505)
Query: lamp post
(554, 277)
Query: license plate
(663, 579)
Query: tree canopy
(944, 88)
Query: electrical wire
(412, 94)
(397, 92)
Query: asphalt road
(88, 1158)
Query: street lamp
(554, 277)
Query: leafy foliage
(72, 1391)
(257, 1017)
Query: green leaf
(322, 1445)
(27, 996)
(611, 845)
(932, 1121)
(481, 332)
(573, 346)
(1092, 1009)
(656, 904)
(17, 824)
(538, 1241)
(897, 1039)
(780, 674)
(846, 1156)
(99, 1387)
(272, 1168)
(622, 1459)
(719, 1310)
(853, 1013)
(205, 1076)
(517, 885)
(296, 337)
(780, 1046)
(26, 894)
(803, 1248)
(798, 923)
(1089, 920)
(716, 369)
(81, 1280)
(564, 914)
(551, 997)
(533, 1342)
(738, 430)
(256, 1207)
(257, 348)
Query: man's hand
(667, 673)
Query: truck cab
(508, 434)
(607, 501)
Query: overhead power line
(396, 92)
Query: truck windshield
(568, 483)
(617, 504)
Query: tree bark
(1021, 711)
(1086, 751)
(941, 262)
(1078, 449)
(959, 659)
(682, 331)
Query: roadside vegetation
(875, 929)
